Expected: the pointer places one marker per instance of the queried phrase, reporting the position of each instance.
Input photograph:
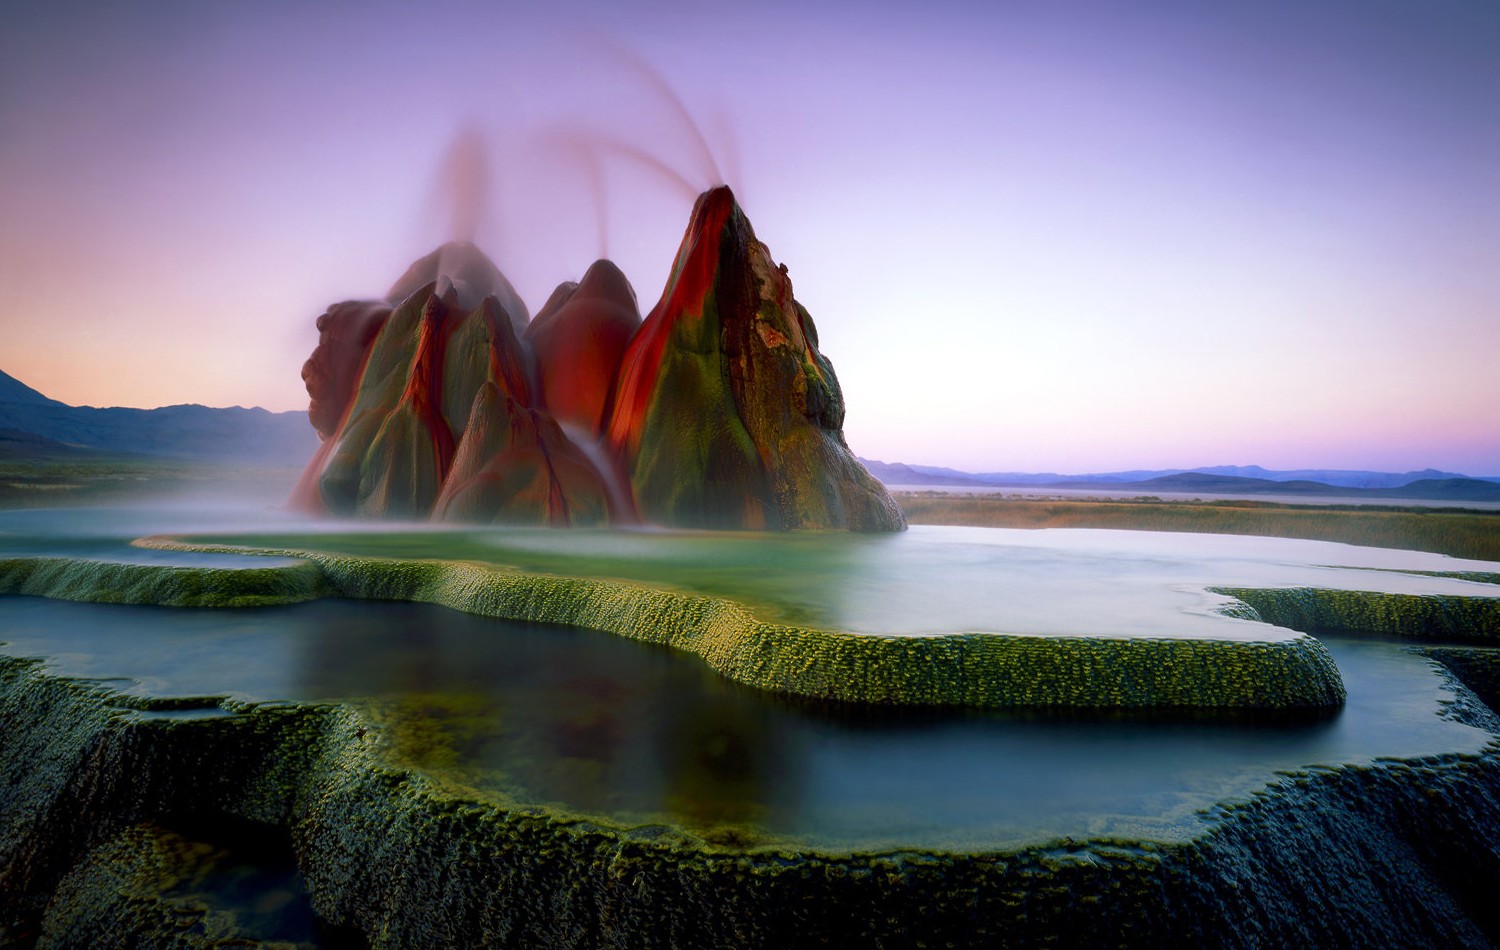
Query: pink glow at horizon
(1034, 236)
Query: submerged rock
(717, 411)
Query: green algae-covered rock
(516, 466)
(1398, 853)
(725, 413)
(981, 670)
(354, 477)
(150, 885)
(105, 582)
(1419, 616)
(718, 411)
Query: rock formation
(717, 411)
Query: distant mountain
(1455, 489)
(1430, 489)
(897, 473)
(12, 390)
(1200, 483)
(1429, 484)
(1341, 478)
(187, 432)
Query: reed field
(114, 480)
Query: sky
(1034, 236)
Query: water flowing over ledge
(981, 669)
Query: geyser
(718, 410)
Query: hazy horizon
(1062, 237)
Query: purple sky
(1035, 236)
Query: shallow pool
(636, 734)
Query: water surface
(641, 734)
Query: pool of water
(639, 734)
(926, 580)
(935, 580)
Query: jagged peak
(471, 274)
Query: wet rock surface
(1398, 853)
(718, 410)
(115, 804)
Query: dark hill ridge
(1227, 484)
(187, 432)
(1341, 478)
(1427, 489)
(12, 390)
(899, 473)
(1458, 489)
(1442, 487)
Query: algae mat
(432, 796)
(946, 616)
(954, 616)
(582, 723)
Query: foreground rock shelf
(979, 670)
(124, 801)
(101, 786)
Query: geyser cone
(472, 275)
(438, 412)
(725, 413)
(395, 445)
(346, 333)
(717, 411)
(578, 340)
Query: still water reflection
(637, 733)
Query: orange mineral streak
(557, 501)
(579, 340)
(424, 387)
(691, 282)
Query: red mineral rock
(578, 340)
(726, 414)
(717, 411)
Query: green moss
(104, 582)
(1476, 667)
(983, 670)
(150, 886)
(1418, 616)
(407, 861)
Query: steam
(464, 183)
(640, 134)
(708, 172)
(583, 149)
